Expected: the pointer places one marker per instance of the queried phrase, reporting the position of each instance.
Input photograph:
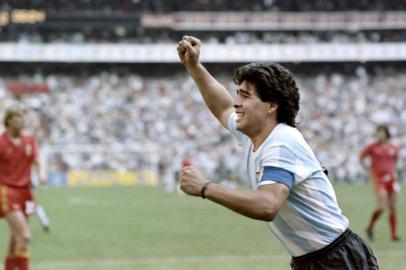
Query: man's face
(381, 135)
(251, 111)
(15, 123)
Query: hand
(191, 181)
(189, 51)
(43, 181)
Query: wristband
(203, 190)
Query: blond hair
(13, 111)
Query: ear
(273, 107)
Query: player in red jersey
(18, 153)
(383, 155)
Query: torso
(16, 158)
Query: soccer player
(18, 153)
(383, 155)
(290, 191)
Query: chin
(240, 128)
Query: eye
(242, 94)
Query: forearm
(217, 98)
(253, 204)
(38, 169)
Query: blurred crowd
(98, 21)
(120, 34)
(338, 117)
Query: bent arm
(39, 170)
(363, 155)
(216, 97)
(263, 204)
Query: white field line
(163, 261)
(180, 260)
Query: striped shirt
(310, 219)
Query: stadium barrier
(213, 53)
(100, 165)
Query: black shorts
(347, 252)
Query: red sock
(21, 259)
(393, 224)
(9, 263)
(374, 217)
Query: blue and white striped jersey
(310, 219)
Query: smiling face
(253, 115)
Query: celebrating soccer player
(18, 153)
(290, 191)
(383, 156)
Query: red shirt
(16, 160)
(383, 157)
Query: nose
(237, 102)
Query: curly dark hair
(385, 129)
(274, 83)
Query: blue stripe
(321, 223)
(292, 235)
(332, 207)
(278, 175)
(316, 221)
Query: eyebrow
(243, 91)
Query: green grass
(143, 228)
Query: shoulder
(394, 145)
(285, 133)
(28, 137)
(371, 145)
(289, 137)
(3, 138)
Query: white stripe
(289, 245)
(318, 204)
(302, 228)
(161, 261)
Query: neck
(260, 137)
(383, 141)
(14, 134)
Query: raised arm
(216, 97)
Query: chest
(384, 152)
(253, 166)
(12, 151)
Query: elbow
(268, 212)
(268, 217)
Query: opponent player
(383, 155)
(18, 153)
(290, 190)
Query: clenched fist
(189, 51)
(191, 181)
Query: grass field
(143, 228)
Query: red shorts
(386, 184)
(15, 199)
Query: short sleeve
(271, 175)
(34, 147)
(281, 156)
(366, 151)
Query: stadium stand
(108, 104)
(338, 115)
